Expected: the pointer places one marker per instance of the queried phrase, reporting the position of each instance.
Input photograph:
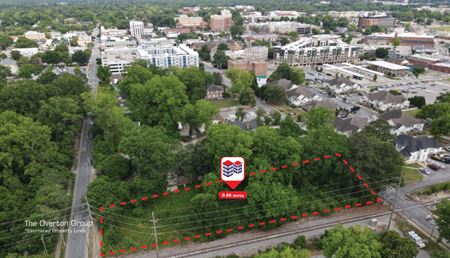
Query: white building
(385, 101)
(118, 59)
(136, 29)
(27, 52)
(258, 53)
(279, 14)
(416, 149)
(318, 49)
(402, 123)
(34, 35)
(165, 56)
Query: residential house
(354, 122)
(416, 149)
(385, 101)
(342, 85)
(300, 96)
(402, 123)
(350, 125)
(228, 115)
(214, 92)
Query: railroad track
(288, 233)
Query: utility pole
(45, 248)
(155, 234)
(395, 200)
(432, 230)
(87, 228)
(89, 208)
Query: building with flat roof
(387, 68)
(190, 21)
(221, 22)
(406, 39)
(259, 68)
(316, 50)
(118, 59)
(282, 27)
(279, 14)
(34, 35)
(380, 20)
(166, 56)
(136, 29)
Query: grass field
(223, 103)
(411, 175)
(441, 28)
(412, 112)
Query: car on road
(426, 171)
(417, 239)
(433, 167)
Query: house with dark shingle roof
(416, 149)
(214, 92)
(340, 85)
(402, 123)
(350, 125)
(385, 101)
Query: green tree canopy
(394, 245)
(160, 101)
(443, 220)
(354, 242)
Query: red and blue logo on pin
(232, 171)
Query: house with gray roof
(416, 149)
(350, 125)
(385, 101)
(342, 85)
(402, 123)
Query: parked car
(426, 171)
(433, 167)
(417, 239)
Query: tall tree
(228, 140)
(160, 101)
(195, 81)
(198, 114)
(394, 245)
(150, 150)
(443, 220)
(355, 242)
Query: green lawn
(223, 103)
(441, 28)
(412, 112)
(411, 175)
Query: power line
(216, 218)
(231, 201)
(241, 207)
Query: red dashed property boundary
(239, 228)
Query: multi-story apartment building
(136, 29)
(190, 21)
(167, 55)
(380, 20)
(221, 22)
(316, 50)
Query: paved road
(211, 69)
(418, 214)
(77, 238)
